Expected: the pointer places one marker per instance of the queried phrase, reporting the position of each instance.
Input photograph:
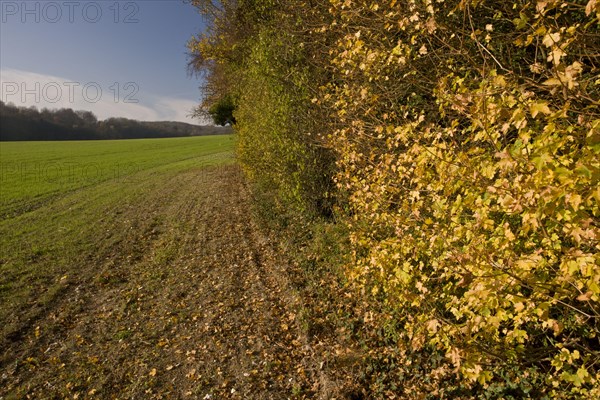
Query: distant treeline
(21, 123)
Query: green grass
(55, 223)
(31, 173)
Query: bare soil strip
(181, 298)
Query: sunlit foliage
(464, 139)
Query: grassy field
(136, 269)
(68, 207)
(33, 173)
(56, 195)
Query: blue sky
(114, 52)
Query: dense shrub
(465, 137)
(259, 59)
(222, 111)
(469, 152)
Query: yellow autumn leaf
(585, 296)
(539, 107)
(552, 82)
(555, 55)
(551, 39)
(591, 5)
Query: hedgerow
(463, 138)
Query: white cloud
(27, 89)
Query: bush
(463, 141)
(222, 111)
(468, 150)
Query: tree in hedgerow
(221, 112)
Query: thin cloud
(178, 109)
(28, 89)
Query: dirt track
(181, 298)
